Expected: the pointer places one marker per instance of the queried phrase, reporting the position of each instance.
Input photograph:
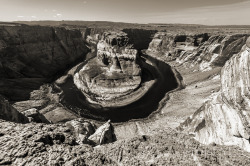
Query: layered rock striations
(225, 117)
(205, 50)
(32, 55)
(114, 73)
(169, 45)
(214, 52)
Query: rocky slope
(62, 144)
(224, 118)
(40, 144)
(33, 55)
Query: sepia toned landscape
(116, 93)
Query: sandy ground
(182, 103)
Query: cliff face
(214, 52)
(93, 35)
(196, 49)
(140, 38)
(225, 117)
(169, 45)
(32, 55)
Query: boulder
(9, 113)
(104, 134)
(81, 129)
(35, 116)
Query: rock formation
(85, 132)
(35, 116)
(225, 118)
(113, 73)
(9, 113)
(104, 134)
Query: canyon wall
(214, 52)
(205, 50)
(140, 38)
(92, 35)
(225, 117)
(33, 55)
(168, 46)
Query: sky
(207, 12)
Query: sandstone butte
(204, 121)
(113, 73)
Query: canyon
(123, 94)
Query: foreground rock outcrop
(225, 118)
(9, 113)
(33, 55)
(85, 132)
(56, 144)
(41, 144)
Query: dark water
(142, 108)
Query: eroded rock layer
(225, 118)
(113, 73)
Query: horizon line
(16, 21)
